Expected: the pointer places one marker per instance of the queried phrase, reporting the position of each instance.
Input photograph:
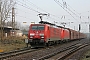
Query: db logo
(37, 32)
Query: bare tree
(5, 9)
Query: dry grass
(12, 43)
(10, 47)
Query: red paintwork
(65, 34)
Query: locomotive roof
(50, 24)
(45, 22)
(55, 26)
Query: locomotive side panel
(65, 34)
(47, 33)
(54, 34)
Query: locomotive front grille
(36, 40)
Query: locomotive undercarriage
(37, 42)
(42, 43)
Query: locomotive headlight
(31, 37)
(42, 37)
(41, 34)
(32, 34)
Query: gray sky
(60, 11)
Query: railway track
(6, 55)
(45, 53)
(64, 53)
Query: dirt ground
(86, 55)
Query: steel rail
(71, 51)
(64, 52)
(6, 55)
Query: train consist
(45, 34)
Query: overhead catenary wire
(26, 12)
(74, 11)
(69, 10)
(64, 8)
(24, 5)
(35, 6)
(68, 7)
(54, 16)
(28, 7)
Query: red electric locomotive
(47, 34)
(43, 34)
(37, 34)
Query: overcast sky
(76, 11)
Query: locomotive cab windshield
(36, 27)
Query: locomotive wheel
(47, 45)
(60, 42)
